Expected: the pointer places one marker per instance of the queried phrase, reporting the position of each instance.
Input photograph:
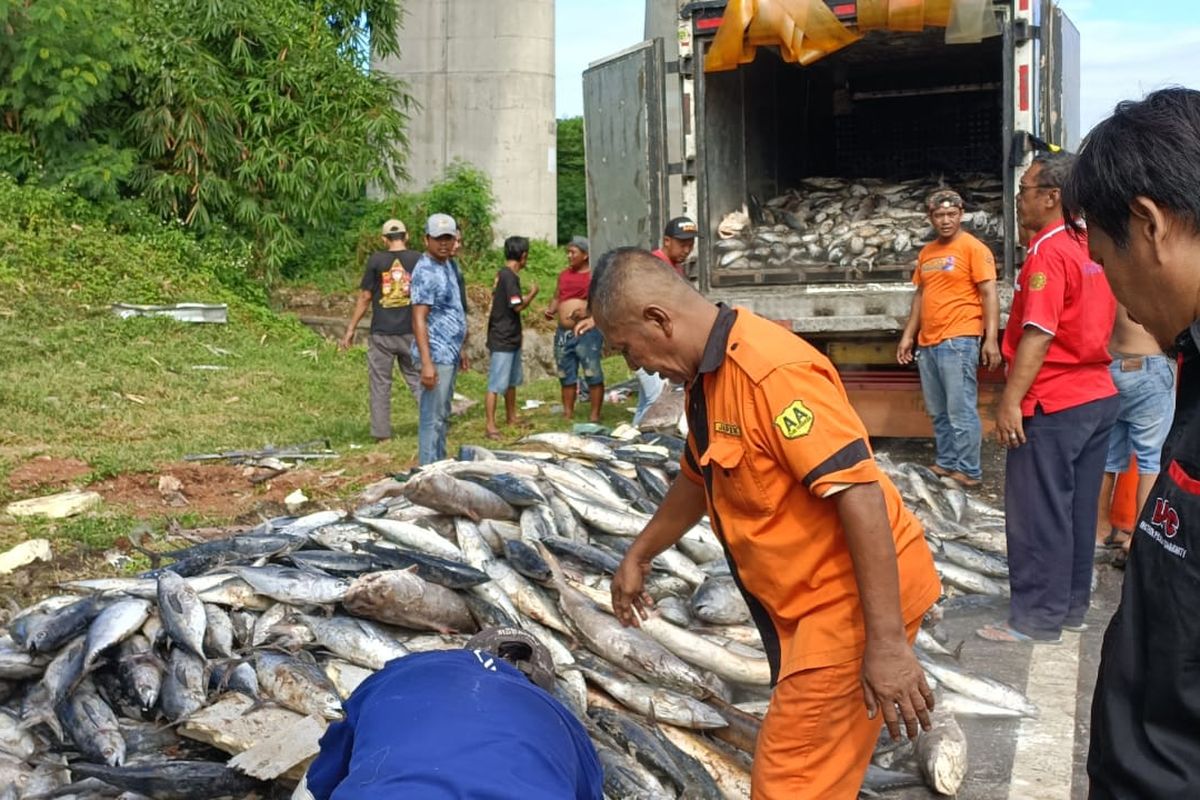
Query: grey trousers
(383, 350)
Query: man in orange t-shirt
(835, 569)
(954, 306)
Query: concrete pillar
(482, 73)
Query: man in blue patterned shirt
(440, 330)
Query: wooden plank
(231, 726)
(281, 750)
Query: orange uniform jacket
(772, 435)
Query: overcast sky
(1128, 48)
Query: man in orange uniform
(835, 569)
(955, 304)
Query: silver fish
(112, 625)
(400, 597)
(182, 613)
(183, 686)
(297, 685)
(92, 725)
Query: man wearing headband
(954, 308)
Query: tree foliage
(572, 193)
(255, 114)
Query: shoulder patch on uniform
(727, 428)
(795, 421)
(1037, 281)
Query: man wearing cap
(1058, 407)
(577, 343)
(476, 722)
(954, 306)
(440, 333)
(679, 238)
(385, 290)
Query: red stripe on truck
(1023, 82)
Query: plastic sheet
(807, 30)
(971, 21)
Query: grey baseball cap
(581, 242)
(440, 225)
(520, 649)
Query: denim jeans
(650, 386)
(949, 383)
(435, 415)
(1147, 408)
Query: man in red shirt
(1054, 416)
(679, 238)
(577, 344)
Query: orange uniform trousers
(1123, 514)
(816, 741)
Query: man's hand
(904, 350)
(347, 341)
(629, 598)
(584, 325)
(464, 363)
(894, 683)
(533, 290)
(428, 375)
(1010, 426)
(991, 353)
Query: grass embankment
(128, 396)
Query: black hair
(1147, 148)
(607, 283)
(515, 247)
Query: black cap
(520, 649)
(681, 228)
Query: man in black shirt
(504, 333)
(1135, 184)
(384, 289)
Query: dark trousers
(1051, 488)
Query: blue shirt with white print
(435, 284)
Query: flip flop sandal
(1120, 557)
(1117, 538)
(1003, 632)
(965, 481)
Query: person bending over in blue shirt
(478, 722)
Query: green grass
(125, 396)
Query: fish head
(331, 706)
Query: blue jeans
(949, 382)
(650, 386)
(1147, 408)
(434, 418)
(579, 356)
(505, 371)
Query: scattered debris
(25, 553)
(306, 451)
(295, 500)
(171, 489)
(217, 313)
(55, 506)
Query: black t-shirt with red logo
(386, 277)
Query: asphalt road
(1032, 759)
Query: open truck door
(624, 133)
(1058, 111)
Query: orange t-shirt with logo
(773, 439)
(948, 275)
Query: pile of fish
(145, 685)
(849, 228)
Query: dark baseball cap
(519, 648)
(681, 228)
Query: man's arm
(421, 334)
(991, 323)
(528, 298)
(360, 308)
(904, 351)
(681, 509)
(1031, 353)
(891, 675)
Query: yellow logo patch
(728, 428)
(1037, 281)
(795, 421)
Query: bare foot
(493, 435)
